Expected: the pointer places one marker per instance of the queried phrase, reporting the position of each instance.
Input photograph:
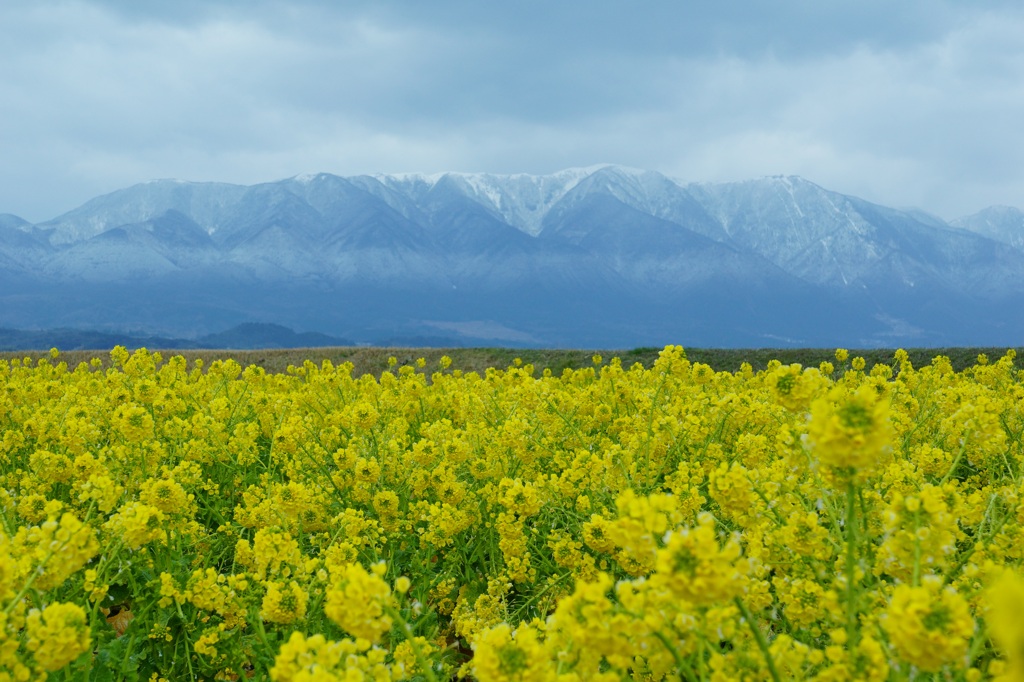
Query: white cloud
(933, 125)
(916, 105)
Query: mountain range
(605, 256)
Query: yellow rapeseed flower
(55, 549)
(695, 568)
(283, 603)
(850, 431)
(1004, 600)
(358, 601)
(930, 625)
(57, 635)
(137, 524)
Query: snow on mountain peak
(521, 199)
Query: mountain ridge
(603, 255)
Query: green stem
(703, 644)
(980, 541)
(537, 597)
(410, 637)
(955, 464)
(916, 578)
(680, 666)
(30, 580)
(851, 565)
(762, 643)
(768, 505)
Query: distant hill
(247, 336)
(77, 339)
(257, 335)
(596, 257)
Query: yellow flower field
(170, 522)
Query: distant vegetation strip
(375, 360)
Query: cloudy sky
(911, 104)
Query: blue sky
(910, 104)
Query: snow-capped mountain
(600, 256)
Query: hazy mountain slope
(9, 220)
(22, 252)
(207, 203)
(848, 243)
(647, 192)
(1002, 223)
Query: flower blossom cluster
(162, 521)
